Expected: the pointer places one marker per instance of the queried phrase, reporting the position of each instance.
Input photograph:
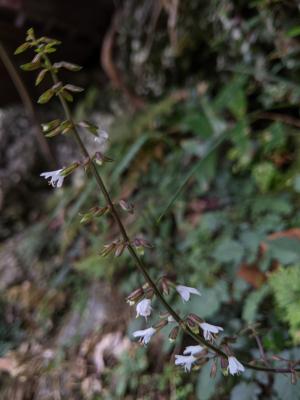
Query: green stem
(139, 262)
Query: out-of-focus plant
(208, 348)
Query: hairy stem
(139, 262)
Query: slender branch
(139, 262)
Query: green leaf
(211, 300)
(89, 126)
(206, 386)
(228, 250)
(293, 32)
(286, 250)
(233, 97)
(284, 389)
(125, 162)
(48, 126)
(30, 34)
(197, 122)
(252, 303)
(211, 147)
(30, 66)
(245, 391)
(286, 287)
(66, 95)
(264, 174)
(22, 48)
(40, 76)
(46, 96)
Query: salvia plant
(210, 344)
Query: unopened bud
(149, 292)
(101, 158)
(126, 206)
(68, 170)
(213, 370)
(224, 363)
(135, 296)
(120, 248)
(174, 333)
(165, 285)
(195, 318)
(160, 324)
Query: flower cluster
(141, 298)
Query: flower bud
(213, 370)
(174, 333)
(224, 363)
(68, 170)
(160, 324)
(149, 292)
(193, 317)
(165, 285)
(126, 206)
(135, 296)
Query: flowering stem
(139, 262)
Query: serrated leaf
(46, 96)
(73, 88)
(22, 48)
(40, 76)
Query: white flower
(170, 318)
(234, 366)
(101, 138)
(192, 350)
(209, 330)
(185, 292)
(56, 177)
(143, 308)
(144, 335)
(185, 361)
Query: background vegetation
(208, 152)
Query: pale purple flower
(185, 361)
(101, 138)
(234, 366)
(56, 179)
(185, 292)
(209, 330)
(144, 335)
(143, 308)
(192, 350)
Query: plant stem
(139, 262)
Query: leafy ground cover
(212, 167)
